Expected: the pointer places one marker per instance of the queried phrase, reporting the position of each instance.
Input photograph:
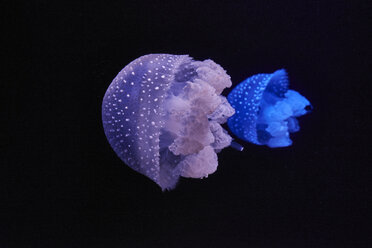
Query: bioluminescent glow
(266, 110)
(162, 115)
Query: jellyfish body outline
(159, 122)
(266, 109)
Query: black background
(63, 186)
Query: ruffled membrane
(266, 110)
(162, 115)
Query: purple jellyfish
(162, 115)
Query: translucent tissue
(162, 114)
(266, 110)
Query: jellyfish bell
(162, 116)
(266, 110)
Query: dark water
(63, 186)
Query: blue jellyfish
(162, 116)
(266, 110)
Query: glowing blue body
(266, 109)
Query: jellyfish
(162, 116)
(266, 110)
